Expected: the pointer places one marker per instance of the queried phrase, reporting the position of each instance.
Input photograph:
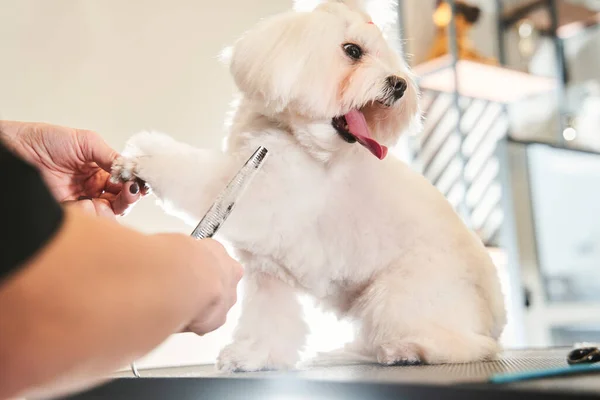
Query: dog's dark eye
(353, 51)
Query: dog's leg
(437, 345)
(271, 330)
(184, 178)
(404, 322)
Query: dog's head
(330, 75)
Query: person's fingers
(129, 195)
(103, 209)
(212, 323)
(114, 188)
(239, 273)
(90, 206)
(215, 246)
(95, 149)
(82, 204)
(233, 299)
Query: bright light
(525, 29)
(569, 134)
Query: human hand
(75, 164)
(228, 273)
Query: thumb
(95, 149)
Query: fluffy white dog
(329, 214)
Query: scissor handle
(584, 355)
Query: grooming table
(460, 381)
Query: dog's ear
(268, 61)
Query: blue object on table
(545, 373)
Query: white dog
(365, 235)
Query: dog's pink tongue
(357, 124)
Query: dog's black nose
(398, 86)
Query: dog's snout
(398, 86)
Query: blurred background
(511, 95)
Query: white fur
(369, 239)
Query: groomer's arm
(81, 296)
(98, 296)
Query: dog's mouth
(352, 127)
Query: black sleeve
(29, 215)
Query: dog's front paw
(124, 169)
(249, 356)
(140, 155)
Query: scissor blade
(222, 207)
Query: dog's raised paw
(124, 169)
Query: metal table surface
(464, 381)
